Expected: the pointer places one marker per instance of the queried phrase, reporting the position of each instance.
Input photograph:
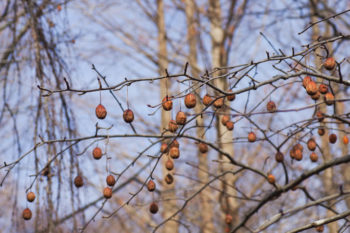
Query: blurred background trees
(143, 51)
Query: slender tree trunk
(206, 213)
(228, 204)
(168, 193)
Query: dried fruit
(345, 140)
(316, 96)
(78, 181)
(225, 119)
(219, 102)
(251, 137)
(228, 219)
(203, 148)
(329, 64)
(321, 131)
(30, 196)
(110, 180)
(27, 214)
(101, 112)
(207, 100)
(311, 88)
(128, 116)
(107, 192)
(172, 126)
(298, 154)
(169, 165)
(329, 98)
(323, 88)
(313, 157)
(320, 116)
(190, 100)
(97, 153)
(271, 106)
(169, 179)
(299, 147)
(153, 208)
(164, 148)
(231, 97)
(167, 103)
(311, 144)
(174, 143)
(181, 118)
(320, 228)
(279, 157)
(306, 80)
(151, 186)
(230, 125)
(271, 178)
(332, 138)
(174, 153)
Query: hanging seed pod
(271, 107)
(321, 131)
(231, 97)
(323, 88)
(174, 143)
(174, 153)
(30, 196)
(153, 208)
(167, 103)
(110, 180)
(298, 154)
(271, 178)
(207, 100)
(225, 119)
(97, 153)
(169, 165)
(203, 148)
(279, 157)
(311, 88)
(172, 126)
(319, 228)
(107, 192)
(329, 64)
(316, 96)
(219, 102)
(151, 186)
(169, 179)
(313, 157)
(311, 144)
(320, 116)
(128, 116)
(101, 112)
(181, 118)
(251, 137)
(306, 81)
(230, 125)
(332, 138)
(78, 181)
(329, 98)
(164, 148)
(190, 100)
(27, 214)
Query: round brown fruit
(271, 178)
(251, 137)
(151, 186)
(271, 107)
(329, 64)
(169, 179)
(169, 165)
(323, 88)
(181, 118)
(153, 208)
(231, 97)
(316, 96)
(228, 219)
(298, 154)
(313, 157)
(203, 148)
(207, 100)
(219, 102)
(279, 157)
(299, 147)
(329, 98)
(306, 80)
(30, 196)
(225, 119)
(332, 138)
(230, 125)
(78, 181)
(164, 148)
(101, 112)
(311, 88)
(321, 131)
(320, 228)
(97, 153)
(320, 116)
(190, 100)
(311, 144)
(292, 153)
(345, 140)
(174, 143)
(172, 126)
(128, 116)
(107, 192)
(27, 214)
(167, 103)
(174, 153)
(110, 180)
